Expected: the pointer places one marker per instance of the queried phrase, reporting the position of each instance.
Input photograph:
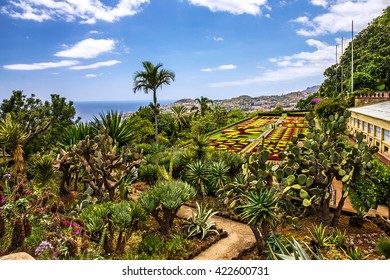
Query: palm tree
(150, 80)
(179, 113)
(203, 104)
(260, 210)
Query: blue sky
(90, 49)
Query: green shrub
(320, 235)
(151, 245)
(176, 248)
(148, 173)
(383, 247)
(337, 237)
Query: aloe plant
(164, 200)
(199, 222)
(294, 251)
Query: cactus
(105, 165)
(18, 235)
(2, 225)
(308, 169)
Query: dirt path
(239, 238)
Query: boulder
(17, 256)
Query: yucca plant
(199, 223)
(117, 126)
(12, 135)
(197, 173)
(74, 134)
(218, 173)
(43, 169)
(261, 212)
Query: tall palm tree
(149, 80)
(179, 113)
(203, 104)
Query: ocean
(88, 109)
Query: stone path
(240, 238)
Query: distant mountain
(249, 104)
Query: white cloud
(296, 66)
(88, 48)
(339, 16)
(93, 75)
(96, 65)
(235, 7)
(220, 68)
(322, 3)
(87, 11)
(41, 65)
(218, 39)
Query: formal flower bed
(277, 132)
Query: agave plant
(198, 222)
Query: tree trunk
(259, 239)
(325, 213)
(155, 115)
(337, 213)
(203, 191)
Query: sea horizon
(88, 109)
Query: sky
(89, 49)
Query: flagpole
(352, 62)
(342, 48)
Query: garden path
(239, 239)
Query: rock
(356, 222)
(17, 256)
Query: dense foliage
(371, 49)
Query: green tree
(203, 103)
(149, 80)
(180, 116)
(43, 122)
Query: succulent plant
(309, 167)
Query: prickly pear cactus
(320, 156)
